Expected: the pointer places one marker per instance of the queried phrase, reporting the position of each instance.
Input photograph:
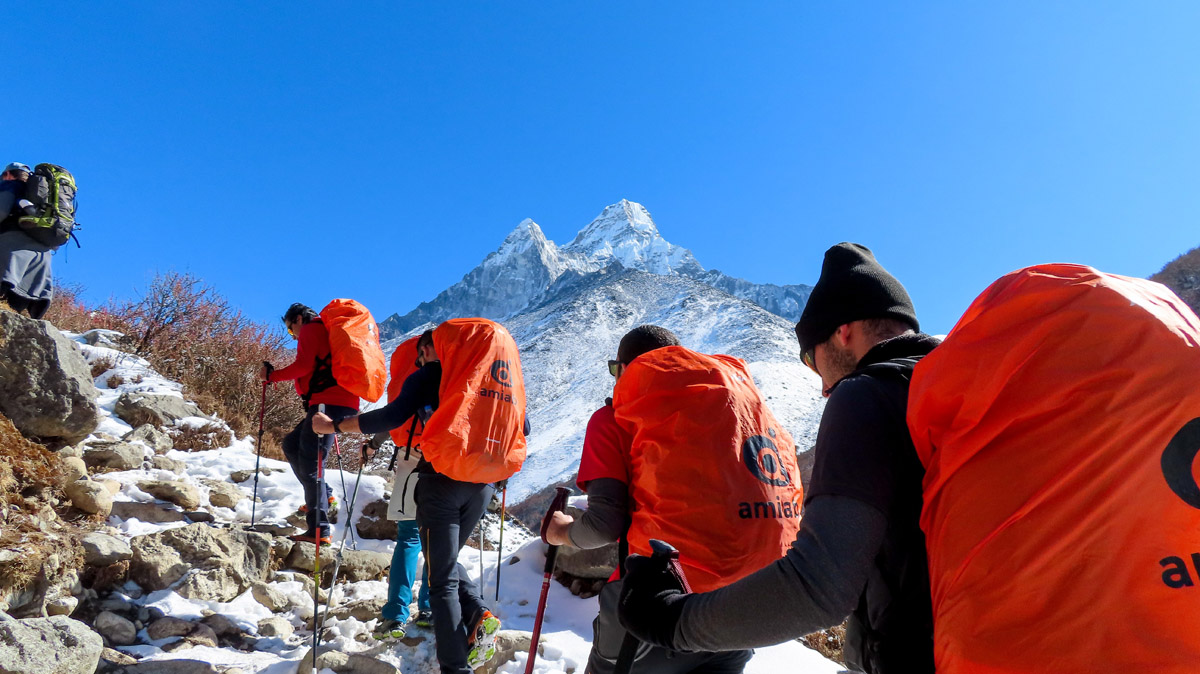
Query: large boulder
(118, 630)
(356, 564)
(55, 645)
(224, 562)
(223, 494)
(89, 496)
(46, 386)
(374, 522)
(159, 409)
(102, 550)
(150, 436)
(180, 493)
(114, 455)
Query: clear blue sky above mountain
(302, 151)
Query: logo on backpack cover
(761, 457)
(500, 373)
(1177, 461)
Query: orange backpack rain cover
(476, 433)
(358, 362)
(714, 474)
(403, 363)
(1059, 424)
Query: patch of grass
(101, 365)
(202, 438)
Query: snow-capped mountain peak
(625, 232)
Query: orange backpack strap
(476, 433)
(1060, 532)
(713, 472)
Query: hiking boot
(424, 619)
(308, 538)
(482, 643)
(388, 629)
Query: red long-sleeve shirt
(312, 344)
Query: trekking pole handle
(664, 553)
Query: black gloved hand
(651, 601)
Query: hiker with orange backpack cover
(606, 475)
(859, 549)
(312, 373)
(469, 383)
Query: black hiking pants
(608, 636)
(447, 512)
(305, 451)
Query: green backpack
(51, 190)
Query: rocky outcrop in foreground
(46, 386)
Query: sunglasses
(289, 329)
(612, 367)
(809, 357)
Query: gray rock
(115, 455)
(101, 549)
(73, 469)
(231, 560)
(200, 516)
(150, 436)
(46, 386)
(223, 626)
(240, 476)
(356, 564)
(62, 606)
(163, 463)
(202, 635)
(595, 564)
(223, 494)
(361, 610)
(55, 645)
(508, 644)
(117, 657)
(89, 496)
(116, 629)
(341, 663)
(147, 512)
(275, 626)
(269, 597)
(158, 409)
(180, 493)
(174, 666)
(374, 523)
(167, 627)
(71, 450)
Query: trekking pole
(262, 414)
(317, 549)
(500, 549)
(559, 502)
(337, 561)
(667, 558)
(337, 449)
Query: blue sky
(297, 151)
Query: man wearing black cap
(860, 549)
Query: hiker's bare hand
(322, 424)
(556, 533)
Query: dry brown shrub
(828, 642)
(101, 365)
(114, 381)
(201, 438)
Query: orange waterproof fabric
(713, 472)
(358, 362)
(1052, 423)
(476, 433)
(402, 364)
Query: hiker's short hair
(426, 339)
(299, 310)
(880, 329)
(643, 339)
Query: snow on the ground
(567, 627)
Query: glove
(651, 601)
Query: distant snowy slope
(527, 264)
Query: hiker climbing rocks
(859, 549)
(656, 379)
(469, 382)
(312, 372)
(26, 282)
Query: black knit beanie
(852, 287)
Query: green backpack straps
(51, 190)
